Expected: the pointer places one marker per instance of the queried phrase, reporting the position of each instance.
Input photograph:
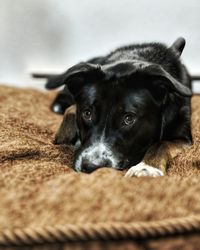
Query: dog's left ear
(170, 82)
(178, 46)
(75, 76)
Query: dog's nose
(88, 167)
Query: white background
(51, 35)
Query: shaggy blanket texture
(39, 188)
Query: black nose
(89, 167)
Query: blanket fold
(38, 187)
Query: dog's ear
(169, 82)
(75, 76)
(67, 132)
(128, 69)
(178, 46)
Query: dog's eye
(129, 119)
(87, 115)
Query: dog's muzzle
(95, 156)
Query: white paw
(143, 169)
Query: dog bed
(44, 204)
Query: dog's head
(119, 110)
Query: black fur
(148, 80)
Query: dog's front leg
(67, 132)
(156, 160)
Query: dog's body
(125, 103)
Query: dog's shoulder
(150, 52)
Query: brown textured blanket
(38, 187)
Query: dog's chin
(93, 170)
(126, 164)
(121, 166)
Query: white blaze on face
(96, 154)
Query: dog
(125, 108)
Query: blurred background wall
(51, 35)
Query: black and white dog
(127, 103)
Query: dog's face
(117, 123)
(119, 110)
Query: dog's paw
(143, 169)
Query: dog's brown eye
(129, 119)
(87, 115)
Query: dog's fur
(126, 104)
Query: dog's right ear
(75, 76)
